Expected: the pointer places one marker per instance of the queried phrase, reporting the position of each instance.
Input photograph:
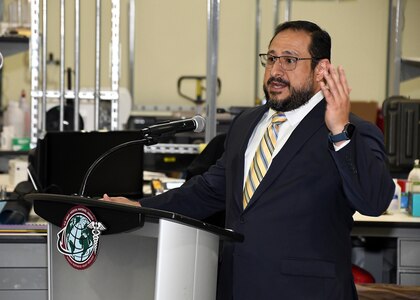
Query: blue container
(414, 204)
(404, 200)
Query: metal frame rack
(38, 61)
(399, 68)
(213, 20)
(38, 58)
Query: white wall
(171, 42)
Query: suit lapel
(246, 125)
(307, 127)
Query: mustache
(278, 80)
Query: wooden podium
(142, 254)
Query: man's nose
(277, 69)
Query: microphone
(1, 60)
(151, 136)
(196, 124)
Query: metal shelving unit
(40, 94)
(38, 61)
(399, 68)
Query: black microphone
(1, 60)
(151, 136)
(196, 124)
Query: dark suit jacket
(298, 223)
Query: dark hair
(320, 46)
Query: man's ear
(320, 68)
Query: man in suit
(326, 164)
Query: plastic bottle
(14, 117)
(24, 106)
(414, 178)
(404, 193)
(6, 137)
(395, 204)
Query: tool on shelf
(200, 89)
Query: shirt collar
(294, 117)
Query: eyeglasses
(287, 63)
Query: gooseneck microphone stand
(150, 136)
(147, 140)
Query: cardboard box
(367, 110)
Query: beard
(297, 98)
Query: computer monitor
(63, 158)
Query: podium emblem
(78, 238)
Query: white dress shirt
(294, 117)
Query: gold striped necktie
(262, 157)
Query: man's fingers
(330, 88)
(336, 83)
(343, 80)
(326, 91)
